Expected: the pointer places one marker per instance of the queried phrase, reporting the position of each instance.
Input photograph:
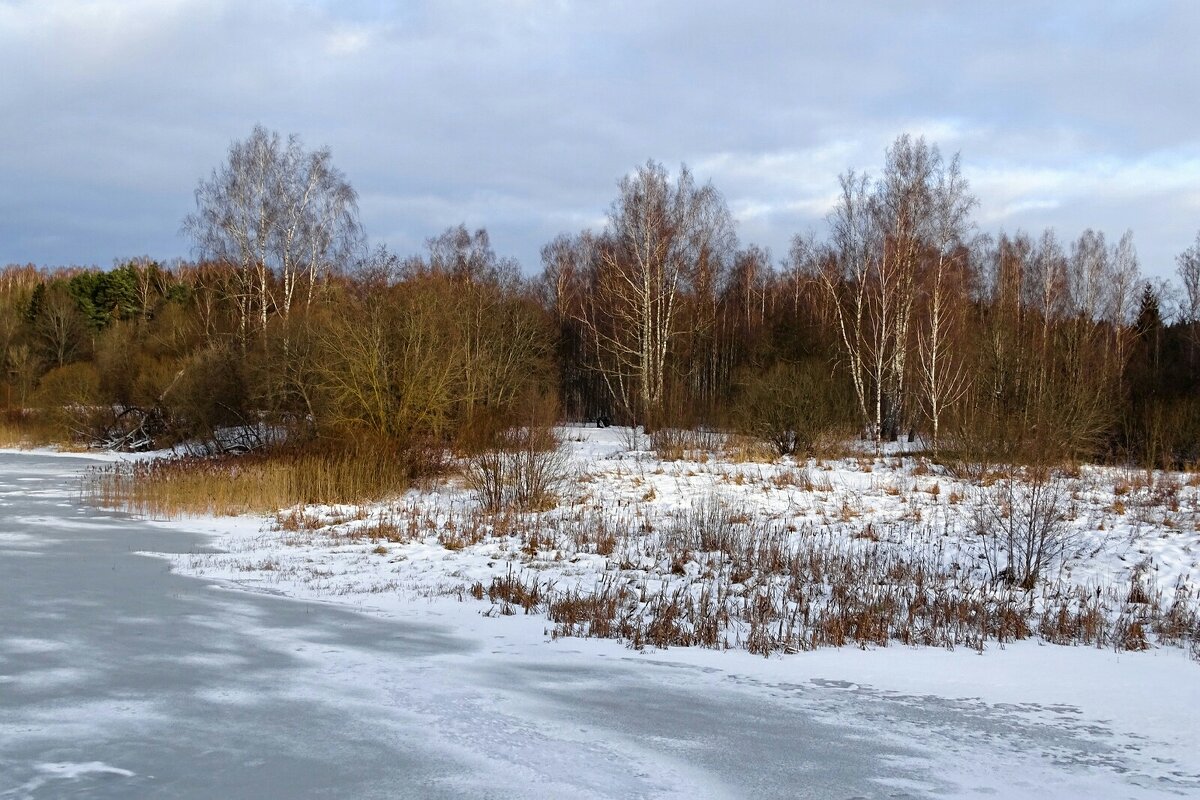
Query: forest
(289, 333)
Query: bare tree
(1188, 270)
(469, 258)
(275, 210)
(567, 262)
(904, 207)
(845, 275)
(884, 233)
(942, 372)
(59, 326)
(661, 235)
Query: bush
(68, 397)
(791, 406)
(1022, 524)
(524, 472)
(678, 444)
(209, 395)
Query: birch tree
(942, 373)
(1188, 269)
(845, 275)
(660, 233)
(883, 234)
(283, 216)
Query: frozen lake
(119, 678)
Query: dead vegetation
(949, 564)
(523, 471)
(719, 579)
(252, 483)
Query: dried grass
(718, 578)
(254, 483)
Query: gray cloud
(521, 115)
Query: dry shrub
(298, 519)
(524, 472)
(590, 532)
(683, 444)
(1075, 619)
(27, 428)
(514, 590)
(746, 449)
(605, 613)
(1179, 623)
(386, 528)
(468, 532)
(868, 532)
(707, 527)
(1130, 634)
(68, 399)
(791, 477)
(1022, 526)
(724, 582)
(790, 406)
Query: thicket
(905, 322)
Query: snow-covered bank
(768, 556)
(423, 556)
(107, 456)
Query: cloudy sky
(521, 115)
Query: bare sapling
(1023, 528)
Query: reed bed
(28, 429)
(254, 483)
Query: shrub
(678, 444)
(523, 472)
(1022, 525)
(68, 397)
(791, 406)
(209, 395)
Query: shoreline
(1150, 696)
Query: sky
(521, 116)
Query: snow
(1124, 524)
(72, 772)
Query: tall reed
(29, 429)
(255, 483)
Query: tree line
(902, 320)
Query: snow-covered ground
(625, 516)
